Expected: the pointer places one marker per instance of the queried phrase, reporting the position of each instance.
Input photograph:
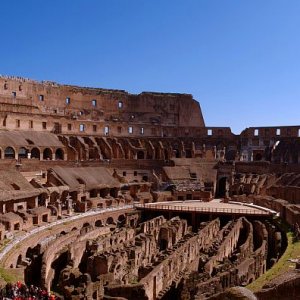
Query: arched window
(9, 152)
(23, 152)
(47, 154)
(35, 153)
(59, 154)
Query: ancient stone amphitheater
(111, 195)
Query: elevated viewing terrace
(215, 207)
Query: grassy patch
(8, 276)
(282, 266)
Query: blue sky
(240, 59)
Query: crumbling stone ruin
(109, 195)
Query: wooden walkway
(215, 208)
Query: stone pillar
(70, 205)
(58, 208)
(251, 155)
(215, 152)
(47, 200)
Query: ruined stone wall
(243, 266)
(162, 276)
(227, 246)
(10, 260)
(80, 110)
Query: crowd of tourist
(20, 291)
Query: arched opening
(23, 152)
(121, 220)
(104, 192)
(188, 153)
(58, 265)
(53, 209)
(47, 154)
(114, 192)
(258, 157)
(35, 153)
(163, 244)
(85, 225)
(93, 193)
(230, 155)
(176, 153)
(221, 189)
(166, 153)
(98, 223)
(32, 272)
(17, 226)
(109, 221)
(59, 154)
(140, 155)
(9, 153)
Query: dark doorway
(140, 155)
(258, 157)
(58, 265)
(221, 189)
(163, 244)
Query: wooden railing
(216, 210)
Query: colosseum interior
(111, 195)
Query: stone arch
(59, 154)
(258, 157)
(121, 220)
(42, 199)
(32, 273)
(35, 153)
(230, 155)
(23, 152)
(57, 266)
(140, 155)
(109, 221)
(86, 224)
(98, 223)
(9, 153)
(54, 196)
(53, 209)
(47, 154)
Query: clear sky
(240, 59)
